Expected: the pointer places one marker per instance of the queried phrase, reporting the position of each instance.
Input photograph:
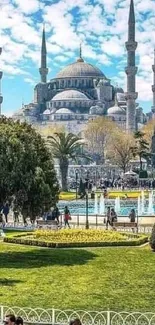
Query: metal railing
(62, 317)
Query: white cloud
(101, 26)
(27, 6)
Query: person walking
(113, 217)
(67, 216)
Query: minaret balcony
(153, 68)
(131, 46)
(131, 95)
(153, 109)
(1, 99)
(131, 71)
(43, 71)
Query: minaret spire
(153, 87)
(43, 69)
(80, 59)
(131, 70)
(1, 97)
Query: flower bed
(78, 238)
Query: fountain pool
(142, 205)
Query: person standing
(108, 218)
(6, 211)
(132, 215)
(67, 216)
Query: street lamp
(87, 203)
(76, 177)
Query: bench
(48, 224)
(131, 225)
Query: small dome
(119, 90)
(80, 69)
(116, 110)
(70, 95)
(47, 112)
(96, 110)
(63, 111)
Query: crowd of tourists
(11, 319)
(54, 214)
(111, 217)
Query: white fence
(63, 317)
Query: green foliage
(141, 148)
(65, 147)
(27, 175)
(117, 278)
(152, 238)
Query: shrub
(152, 238)
(78, 238)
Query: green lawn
(91, 279)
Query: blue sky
(101, 26)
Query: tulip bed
(77, 238)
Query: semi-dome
(70, 95)
(80, 69)
(63, 111)
(116, 110)
(47, 112)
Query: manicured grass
(91, 279)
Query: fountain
(102, 204)
(117, 205)
(96, 204)
(150, 206)
(142, 202)
(139, 206)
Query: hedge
(33, 242)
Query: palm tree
(65, 147)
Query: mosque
(81, 92)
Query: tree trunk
(64, 173)
(140, 163)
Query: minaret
(131, 71)
(153, 87)
(1, 97)
(43, 69)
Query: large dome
(80, 69)
(70, 95)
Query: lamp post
(87, 202)
(76, 177)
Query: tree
(120, 149)
(65, 147)
(141, 148)
(97, 134)
(27, 175)
(152, 238)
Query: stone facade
(1, 97)
(81, 92)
